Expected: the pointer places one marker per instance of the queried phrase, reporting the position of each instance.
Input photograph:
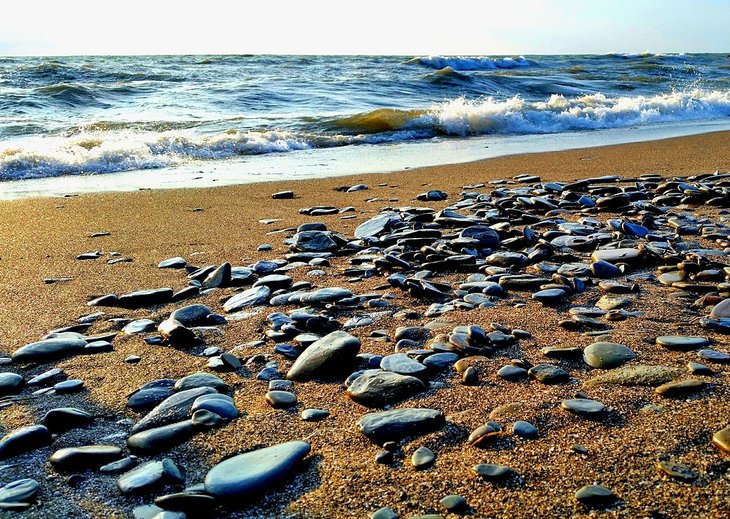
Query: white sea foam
(473, 62)
(126, 150)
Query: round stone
(493, 472)
(595, 496)
(10, 383)
(524, 429)
(454, 504)
(422, 458)
(281, 399)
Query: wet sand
(40, 238)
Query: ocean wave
(472, 62)
(108, 148)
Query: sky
(453, 27)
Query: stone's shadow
(275, 501)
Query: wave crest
(472, 62)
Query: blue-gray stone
(396, 424)
(49, 350)
(255, 296)
(326, 357)
(253, 473)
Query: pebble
(149, 476)
(396, 424)
(721, 439)
(585, 407)
(595, 496)
(524, 429)
(677, 471)
(493, 472)
(606, 355)
(281, 399)
(380, 388)
(326, 357)
(314, 415)
(454, 504)
(24, 439)
(548, 374)
(680, 388)
(85, 457)
(682, 342)
(422, 458)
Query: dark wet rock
(550, 296)
(224, 362)
(85, 457)
(164, 437)
(470, 377)
(327, 357)
(548, 374)
(422, 458)
(637, 375)
(433, 195)
(219, 277)
(314, 415)
(144, 298)
(222, 405)
(172, 263)
(254, 296)
(604, 269)
(314, 241)
(677, 471)
(377, 389)
(49, 350)
(281, 399)
(418, 334)
(23, 440)
(510, 372)
(274, 281)
(403, 365)
(173, 409)
(50, 376)
(65, 418)
(585, 407)
(150, 476)
(595, 496)
(680, 388)
(283, 195)
(105, 300)
(606, 355)
(189, 503)
(10, 383)
(326, 295)
(396, 424)
(486, 236)
(121, 465)
(253, 473)
(440, 361)
(151, 394)
(493, 472)
(695, 368)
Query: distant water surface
(91, 115)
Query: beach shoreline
(41, 238)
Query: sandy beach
(41, 238)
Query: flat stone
(384, 513)
(151, 394)
(377, 225)
(721, 309)
(396, 424)
(85, 457)
(222, 405)
(721, 439)
(172, 263)
(192, 315)
(201, 379)
(48, 350)
(422, 458)
(193, 504)
(714, 356)
(493, 472)
(326, 295)
(606, 355)
(680, 387)
(150, 476)
(380, 388)
(454, 504)
(23, 440)
(255, 296)
(637, 375)
(584, 407)
(403, 365)
(173, 409)
(625, 255)
(510, 372)
(595, 496)
(677, 471)
(682, 342)
(548, 374)
(19, 491)
(253, 473)
(329, 356)
(613, 302)
(158, 439)
(69, 386)
(695, 368)
(139, 326)
(218, 277)
(550, 296)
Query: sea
(95, 123)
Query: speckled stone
(680, 387)
(606, 355)
(422, 458)
(677, 471)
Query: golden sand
(40, 238)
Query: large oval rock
(606, 355)
(396, 424)
(49, 350)
(143, 298)
(161, 438)
(192, 315)
(326, 357)
(382, 388)
(252, 473)
(23, 440)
